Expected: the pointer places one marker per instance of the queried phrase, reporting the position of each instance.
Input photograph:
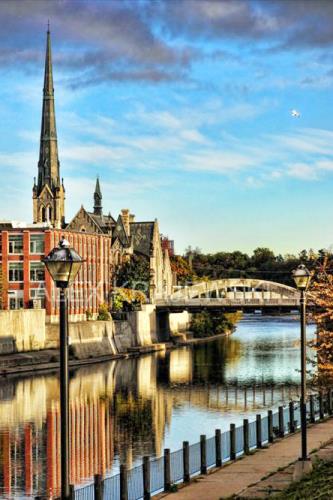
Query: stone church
(127, 236)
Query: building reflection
(119, 411)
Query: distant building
(104, 242)
(168, 245)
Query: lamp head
(63, 264)
(302, 277)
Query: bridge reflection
(119, 412)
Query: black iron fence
(164, 473)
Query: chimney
(132, 218)
(125, 215)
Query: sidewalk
(236, 478)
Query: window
(15, 243)
(37, 293)
(37, 271)
(15, 271)
(37, 243)
(16, 299)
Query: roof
(142, 237)
(102, 220)
(120, 233)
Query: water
(122, 410)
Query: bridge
(231, 294)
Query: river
(124, 409)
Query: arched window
(43, 214)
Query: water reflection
(122, 410)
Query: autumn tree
(320, 296)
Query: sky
(183, 109)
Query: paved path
(236, 477)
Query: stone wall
(25, 330)
(22, 330)
(179, 322)
(86, 338)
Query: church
(105, 242)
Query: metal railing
(161, 474)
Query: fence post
(123, 482)
(270, 426)
(98, 487)
(312, 409)
(281, 422)
(321, 406)
(186, 461)
(232, 442)
(258, 431)
(167, 470)
(218, 448)
(246, 436)
(203, 460)
(291, 416)
(146, 477)
(71, 492)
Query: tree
(182, 269)
(134, 274)
(321, 296)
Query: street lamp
(302, 277)
(63, 264)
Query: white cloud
(302, 171)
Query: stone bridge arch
(235, 288)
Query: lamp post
(302, 277)
(63, 264)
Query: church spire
(98, 209)
(48, 193)
(48, 165)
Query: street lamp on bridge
(302, 277)
(63, 264)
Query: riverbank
(47, 360)
(259, 475)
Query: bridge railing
(227, 302)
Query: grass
(315, 486)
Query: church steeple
(48, 193)
(98, 209)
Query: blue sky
(183, 109)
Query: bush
(127, 299)
(206, 324)
(103, 313)
(89, 314)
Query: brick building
(28, 285)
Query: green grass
(316, 486)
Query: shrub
(103, 313)
(89, 314)
(206, 324)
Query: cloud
(155, 42)
(98, 41)
(302, 171)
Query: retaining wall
(25, 330)
(22, 330)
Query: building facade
(28, 285)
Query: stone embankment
(27, 343)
